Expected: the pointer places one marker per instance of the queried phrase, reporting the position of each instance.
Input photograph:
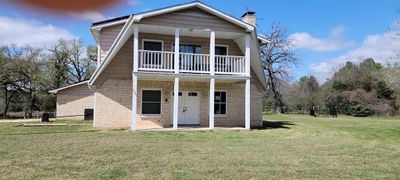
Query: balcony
(163, 61)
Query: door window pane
(192, 94)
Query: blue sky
(326, 33)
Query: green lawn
(292, 146)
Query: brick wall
(72, 102)
(113, 103)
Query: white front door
(189, 108)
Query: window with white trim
(220, 102)
(152, 58)
(151, 102)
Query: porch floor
(195, 128)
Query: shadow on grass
(276, 125)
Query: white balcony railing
(230, 64)
(190, 63)
(156, 60)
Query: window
(151, 102)
(188, 61)
(188, 48)
(152, 45)
(221, 50)
(221, 64)
(220, 102)
(152, 59)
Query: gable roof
(127, 29)
(55, 91)
(145, 14)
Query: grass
(290, 147)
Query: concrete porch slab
(195, 129)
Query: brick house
(184, 65)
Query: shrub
(360, 110)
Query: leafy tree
(308, 90)
(360, 90)
(57, 65)
(384, 91)
(27, 74)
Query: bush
(360, 110)
(384, 91)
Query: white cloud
(88, 15)
(381, 47)
(29, 32)
(336, 41)
(133, 2)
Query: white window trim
(162, 50)
(226, 103)
(141, 102)
(223, 45)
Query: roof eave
(55, 91)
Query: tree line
(368, 88)
(362, 89)
(27, 74)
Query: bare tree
(278, 57)
(80, 60)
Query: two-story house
(184, 65)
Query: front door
(189, 108)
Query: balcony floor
(162, 76)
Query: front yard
(291, 146)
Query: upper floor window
(221, 50)
(152, 59)
(188, 48)
(152, 45)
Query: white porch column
(247, 88)
(134, 76)
(212, 80)
(176, 81)
(98, 55)
(176, 59)
(212, 90)
(134, 102)
(212, 53)
(135, 48)
(176, 103)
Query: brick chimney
(249, 17)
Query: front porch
(193, 104)
(201, 70)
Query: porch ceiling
(189, 77)
(205, 33)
